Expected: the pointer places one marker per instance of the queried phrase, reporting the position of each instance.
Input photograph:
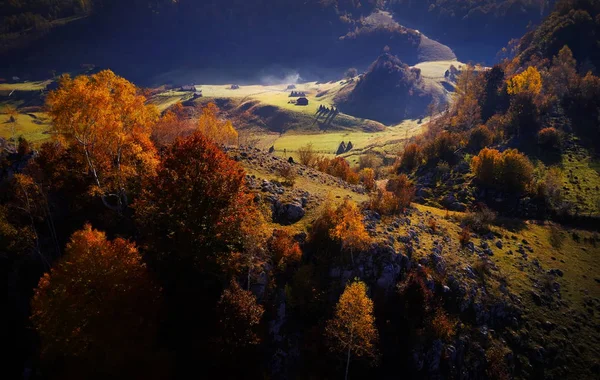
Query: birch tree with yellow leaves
(352, 330)
(107, 124)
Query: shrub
(497, 368)
(443, 147)
(411, 157)
(549, 138)
(516, 171)
(550, 189)
(369, 160)
(306, 155)
(24, 147)
(479, 220)
(482, 269)
(288, 173)
(557, 238)
(403, 189)
(384, 202)
(465, 236)
(480, 138)
(367, 177)
(441, 325)
(432, 224)
(337, 167)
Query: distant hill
(476, 30)
(142, 39)
(575, 23)
(389, 91)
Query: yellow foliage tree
(528, 82)
(349, 228)
(219, 131)
(352, 330)
(104, 119)
(485, 166)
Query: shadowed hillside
(389, 91)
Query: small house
(302, 102)
(197, 94)
(291, 87)
(235, 87)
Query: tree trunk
(347, 364)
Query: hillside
(300, 190)
(476, 30)
(167, 44)
(390, 91)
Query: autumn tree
(171, 125)
(352, 330)
(529, 81)
(485, 166)
(411, 157)
(239, 315)
(516, 171)
(549, 138)
(562, 75)
(196, 208)
(510, 170)
(467, 111)
(367, 177)
(403, 190)
(480, 137)
(97, 310)
(285, 250)
(106, 122)
(349, 228)
(221, 132)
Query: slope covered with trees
(140, 244)
(476, 30)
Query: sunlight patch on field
(24, 86)
(33, 126)
(328, 143)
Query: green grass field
(33, 126)
(24, 86)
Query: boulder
(288, 213)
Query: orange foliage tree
(97, 309)
(337, 167)
(107, 123)
(352, 330)
(285, 250)
(221, 132)
(196, 208)
(239, 316)
(171, 125)
(485, 166)
(349, 229)
(510, 170)
(469, 89)
(367, 177)
(403, 189)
